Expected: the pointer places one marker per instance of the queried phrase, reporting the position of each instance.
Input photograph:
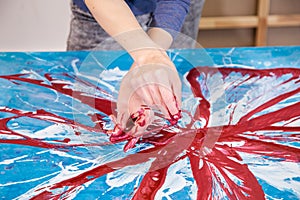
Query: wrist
(154, 56)
(143, 55)
(161, 37)
(135, 40)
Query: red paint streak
(269, 104)
(40, 115)
(98, 103)
(150, 184)
(202, 176)
(212, 169)
(204, 106)
(250, 185)
(231, 114)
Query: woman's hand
(151, 83)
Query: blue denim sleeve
(170, 15)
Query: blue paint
(40, 162)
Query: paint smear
(52, 123)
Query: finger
(152, 98)
(169, 99)
(136, 110)
(128, 102)
(116, 131)
(176, 86)
(144, 120)
(131, 143)
(122, 118)
(113, 118)
(169, 104)
(152, 88)
(122, 111)
(140, 85)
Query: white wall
(34, 25)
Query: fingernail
(174, 118)
(117, 131)
(134, 116)
(129, 124)
(119, 138)
(141, 121)
(177, 116)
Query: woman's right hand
(151, 83)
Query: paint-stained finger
(144, 119)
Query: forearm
(116, 18)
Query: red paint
(222, 160)
(150, 184)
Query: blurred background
(227, 23)
(43, 25)
(34, 25)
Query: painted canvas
(55, 140)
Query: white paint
(27, 181)
(216, 88)
(50, 118)
(275, 173)
(265, 89)
(12, 160)
(55, 131)
(8, 136)
(114, 74)
(236, 66)
(126, 175)
(31, 74)
(176, 180)
(34, 25)
(66, 155)
(62, 175)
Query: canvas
(55, 141)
